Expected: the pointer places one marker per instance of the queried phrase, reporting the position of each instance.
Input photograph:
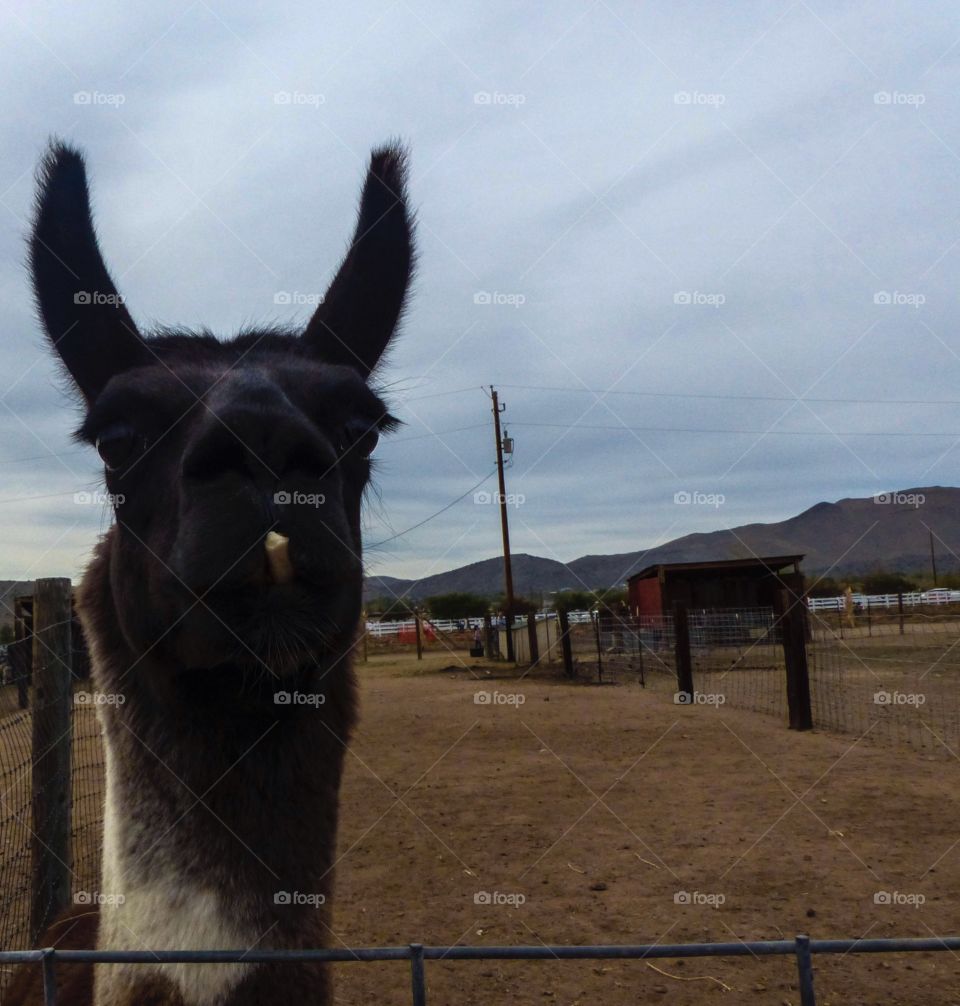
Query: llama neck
(220, 826)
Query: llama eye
(359, 439)
(117, 444)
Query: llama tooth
(278, 557)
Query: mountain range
(849, 537)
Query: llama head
(236, 468)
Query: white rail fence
(378, 629)
(874, 601)
(912, 600)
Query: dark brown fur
(220, 790)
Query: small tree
(882, 582)
(456, 605)
(826, 586)
(574, 600)
(390, 608)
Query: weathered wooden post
(795, 657)
(532, 638)
(900, 609)
(681, 631)
(595, 618)
(488, 637)
(416, 622)
(564, 621)
(52, 717)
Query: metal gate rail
(802, 948)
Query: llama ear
(365, 300)
(84, 316)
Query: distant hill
(849, 537)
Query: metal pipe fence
(801, 948)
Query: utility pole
(504, 526)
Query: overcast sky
(624, 210)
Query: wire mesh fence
(15, 821)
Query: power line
(771, 433)
(426, 520)
(733, 398)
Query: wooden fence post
(564, 622)
(900, 609)
(795, 657)
(416, 621)
(595, 618)
(681, 629)
(52, 717)
(532, 638)
(488, 637)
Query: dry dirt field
(598, 805)
(583, 811)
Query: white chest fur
(164, 913)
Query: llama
(222, 604)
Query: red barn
(726, 583)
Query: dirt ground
(584, 814)
(559, 813)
